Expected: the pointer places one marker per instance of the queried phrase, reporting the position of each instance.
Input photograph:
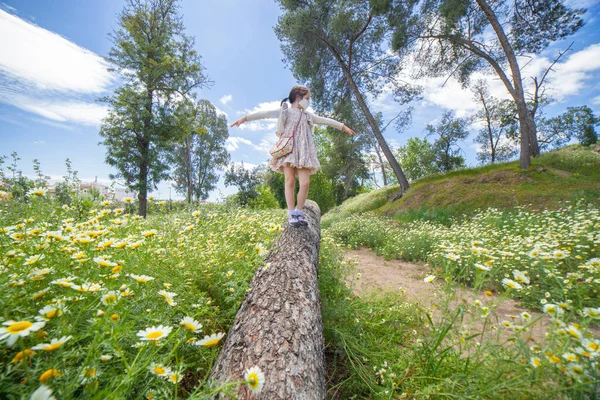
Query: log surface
(278, 326)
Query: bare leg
(290, 182)
(304, 177)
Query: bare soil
(379, 274)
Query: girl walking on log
(302, 161)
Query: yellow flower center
(211, 342)
(189, 326)
(53, 346)
(51, 313)
(154, 335)
(159, 370)
(253, 380)
(19, 327)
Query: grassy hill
(568, 174)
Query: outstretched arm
(333, 123)
(256, 115)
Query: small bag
(284, 145)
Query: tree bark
(278, 326)
(526, 123)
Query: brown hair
(297, 91)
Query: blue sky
(51, 72)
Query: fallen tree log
(278, 326)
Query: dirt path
(380, 274)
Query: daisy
(49, 312)
(16, 329)
(191, 324)
(159, 369)
(559, 254)
(175, 377)
(149, 233)
(54, 344)
(42, 393)
(211, 340)
(141, 278)
(110, 297)
(574, 332)
(592, 312)
(168, 297)
(33, 259)
(482, 267)
(103, 262)
(535, 362)
(154, 333)
(509, 283)
(429, 279)
(37, 192)
(255, 379)
(49, 374)
(520, 277)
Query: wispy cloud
(226, 99)
(48, 75)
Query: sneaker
(293, 219)
(301, 219)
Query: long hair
(296, 92)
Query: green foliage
(448, 132)
(246, 181)
(201, 150)
(151, 51)
(576, 122)
(417, 158)
(265, 199)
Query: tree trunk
(278, 326)
(526, 124)
(380, 139)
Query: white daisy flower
(154, 333)
(209, 341)
(191, 324)
(255, 379)
(17, 329)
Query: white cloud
(48, 60)
(596, 100)
(568, 78)
(233, 143)
(226, 99)
(48, 75)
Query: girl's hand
(348, 130)
(239, 122)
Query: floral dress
(304, 153)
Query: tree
(158, 65)
(200, 151)
(452, 36)
(449, 131)
(498, 120)
(418, 158)
(246, 181)
(576, 122)
(337, 46)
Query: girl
(302, 161)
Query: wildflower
(154, 333)
(175, 377)
(574, 369)
(534, 253)
(482, 267)
(149, 233)
(525, 315)
(509, 283)
(49, 312)
(128, 199)
(33, 259)
(54, 344)
(211, 340)
(559, 254)
(429, 279)
(255, 379)
(159, 369)
(168, 297)
(553, 309)
(37, 192)
(141, 278)
(488, 293)
(535, 362)
(105, 357)
(191, 324)
(592, 312)
(49, 374)
(110, 297)
(570, 356)
(104, 262)
(27, 353)
(16, 329)
(574, 332)
(520, 277)
(39, 294)
(42, 393)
